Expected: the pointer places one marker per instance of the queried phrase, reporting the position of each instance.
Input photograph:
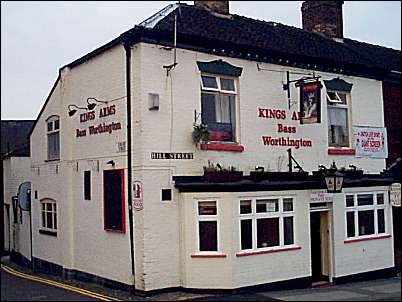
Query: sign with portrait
(370, 141)
(310, 103)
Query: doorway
(319, 236)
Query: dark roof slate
(15, 137)
(278, 38)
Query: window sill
(208, 255)
(222, 147)
(51, 160)
(49, 233)
(274, 250)
(367, 238)
(115, 231)
(341, 151)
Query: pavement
(388, 289)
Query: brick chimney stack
(323, 17)
(220, 7)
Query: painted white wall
(361, 256)
(233, 271)
(48, 182)
(17, 169)
(169, 129)
(82, 243)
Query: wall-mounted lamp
(111, 162)
(333, 179)
(71, 112)
(91, 106)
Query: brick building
(123, 146)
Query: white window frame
(355, 209)
(52, 120)
(218, 91)
(254, 216)
(44, 223)
(199, 218)
(218, 81)
(338, 104)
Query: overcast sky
(39, 37)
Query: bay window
(266, 223)
(207, 226)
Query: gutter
(127, 47)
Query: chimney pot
(323, 17)
(220, 7)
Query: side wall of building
(361, 256)
(16, 171)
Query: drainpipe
(127, 47)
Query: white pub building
(192, 151)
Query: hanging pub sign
(395, 195)
(310, 102)
(370, 141)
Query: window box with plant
(217, 173)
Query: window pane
(246, 234)
(43, 219)
(350, 224)
(267, 205)
(56, 124)
(227, 84)
(43, 207)
(365, 199)
(55, 220)
(288, 230)
(49, 220)
(342, 97)
(338, 127)
(380, 198)
(350, 201)
(245, 207)
(53, 145)
(208, 236)
(366, 222)
(267, 232)
(331, 97)
(87, 185)
(209, 82)
(288, 205)
(381, 221)
(207, 208)
(224, 109)
(208, 114)
(50, 126)
(49, 207)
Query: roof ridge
(374, 45)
